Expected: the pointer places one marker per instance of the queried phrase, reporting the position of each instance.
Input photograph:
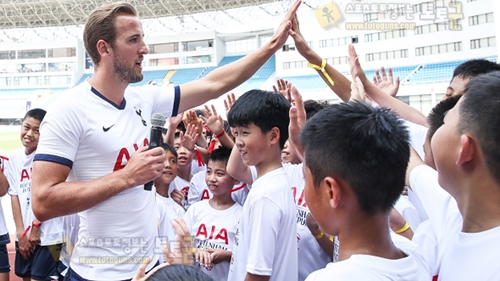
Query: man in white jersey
(351, 197)
(93, 155)
(465, 215)
(4, 235)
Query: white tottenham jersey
(213, 229)
(18, 172)
(95, 137)
(266, 238)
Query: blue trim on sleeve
(177, 100)
(54, 158)
(120, 107)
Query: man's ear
(103, 48)
(333, 191)
(467, 150)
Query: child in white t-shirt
(168, 208)
(352, 196)
(464, 220)
(266, 239)
(213, 222)
(38, 243)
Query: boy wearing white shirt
(352, 196)
(38, 245)
(466, 213)
(213, 222)
(265, 247)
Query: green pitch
(10, 141)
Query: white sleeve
(253, 170)
(438, 204)
(60, 134)
(9, 174)
(195, 189)
(418, 134)
(263, 230)
(164, 101)
(408, 211)
(425, 238)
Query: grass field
(10, 141)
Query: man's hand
(281, 35)
(144, 166)
(387, 85)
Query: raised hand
(357, 90)
(283, 89)
(188, 139)
(182, 252)
(228, 102)
(192, 119)
(212, 120)
(387, 85)
(281, 35)
(355, 66)
(297, 121)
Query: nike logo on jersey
(107, 129)
(139, 112)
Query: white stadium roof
(50, 20)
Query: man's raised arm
(230, 76)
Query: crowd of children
(284, 189)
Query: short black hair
(475, 67)
(435, 119)
(168, 147)
(220, 154)
(35, 113)
(478, 115)
(179, 272)
(312, 107)
(265, 109)
(367, 147)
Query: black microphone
(156, 138)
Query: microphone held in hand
(156, 138)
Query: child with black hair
(38, 244)
(266, 244)
(213, 222)
(198, 189)
(168, 208)
(352, 196)
(464, 213)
